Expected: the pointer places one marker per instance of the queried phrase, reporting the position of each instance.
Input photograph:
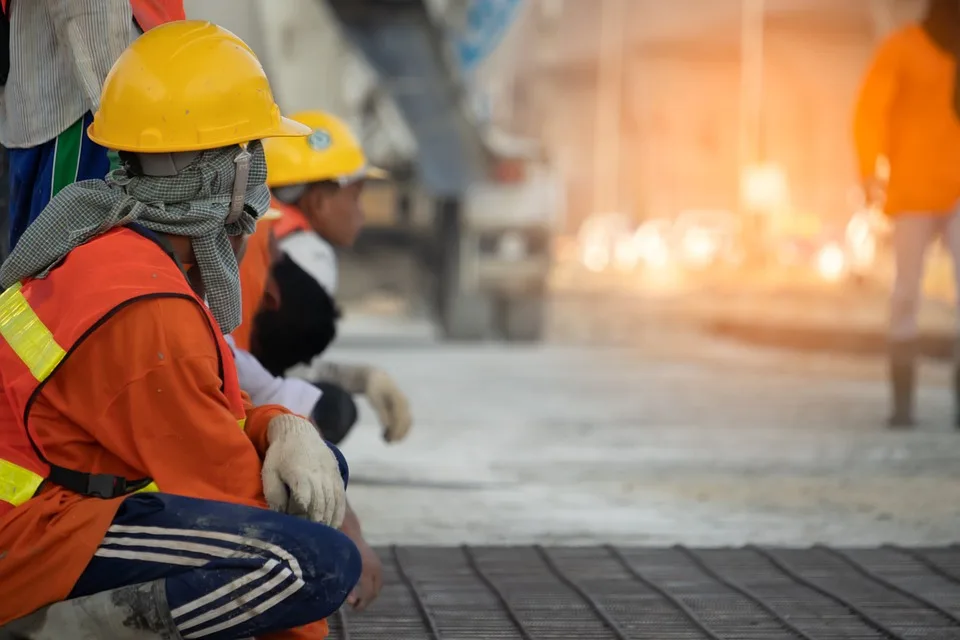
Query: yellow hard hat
(187, 85)
(331, 152)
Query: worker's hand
(371, 577)
(301, 475)
(874, 192)
(391, 405)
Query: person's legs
(205, 569)
(29, 184)
(951, 240)
(912, 236)
(39, 173)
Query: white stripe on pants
(913, 234)
(277, 577)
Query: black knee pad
(335, 412)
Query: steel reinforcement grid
(678, 593)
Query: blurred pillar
(606, 156)
(751, 82)
(751, 124)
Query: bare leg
(912, 236)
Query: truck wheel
(523, 319)
(466, 317)
(462, 316)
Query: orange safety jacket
(151, 13)
(43, 320)
(147, 13)
(291, 220)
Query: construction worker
(59, 54)
(141, 496)
(330, 408)
(907, 119)
(316, 184)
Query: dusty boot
(137, 612)
(903, 373)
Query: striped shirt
(60, 53)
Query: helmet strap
(240, 180)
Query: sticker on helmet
(319, 140)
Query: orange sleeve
(872, 113)
(258, 418)
(158, 407)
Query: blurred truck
(474, 205)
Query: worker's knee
(328, 562)
(335, 412)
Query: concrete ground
(661, 435)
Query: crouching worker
(331, 409)
(316, 183)
(328, 405)
(140, 494)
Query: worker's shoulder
(177, 324)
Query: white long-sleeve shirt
(60, 53)
(264, 388)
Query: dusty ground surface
(630, 426)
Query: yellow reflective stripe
(35, 345)
(149, 488)
(27, 335)
(17, 485)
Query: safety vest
(291, 220)
(151, 13)
(43, 320)
(147, 13)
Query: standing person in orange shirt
(907, 116)
(140, 493)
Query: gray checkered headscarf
(194, 203)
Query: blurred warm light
(650, 245)
(601, 241)
(657, 255)
(831, 263)
(625, 254)
(764, 187)
(862, 241)
(595, 257)
(699, 248)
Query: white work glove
(391, 405)
(300, 473)
(382, 393)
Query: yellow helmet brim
(285, 128)
(376, 173)
(290, 128)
